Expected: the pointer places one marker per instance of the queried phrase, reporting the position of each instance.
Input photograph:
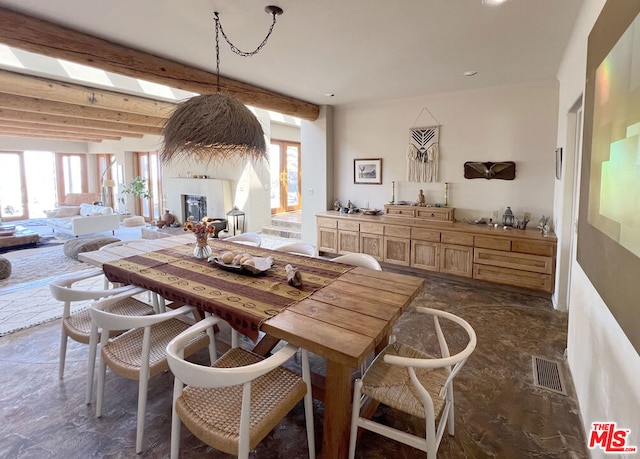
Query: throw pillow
(67, 211)
(107, 211)
(86, 209)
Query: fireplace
(194, 206)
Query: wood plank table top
(344, 322)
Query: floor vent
(548, 375)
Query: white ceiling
(360, 50)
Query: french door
(147, 165)
(27, 184)
(13, 191)
(284, 159)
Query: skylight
(65, 70)
(86, 73)
(8, 57)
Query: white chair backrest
(200, 376)
(106, 320)
(62, 288)
(300, 248)
(447, 360)
(359, 259)
(244, 238)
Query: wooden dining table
(342, 313)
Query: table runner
(243, 300)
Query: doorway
(26, 184)
(284, 159)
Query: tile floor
(499, 412)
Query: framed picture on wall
(367, 171)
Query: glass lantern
(235, 217)
(508, 218)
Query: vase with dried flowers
(202, 230)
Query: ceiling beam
(39, 36)
(7, 114)
(41, 135)
(45, 127)
(58, 91)
(48, 107)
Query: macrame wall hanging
(423, 154)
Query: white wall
(604, 365)
(513, 123)
(316, 138)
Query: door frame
(283, 177)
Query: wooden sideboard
(522, 258)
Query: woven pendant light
(216, 127)
(213, 127)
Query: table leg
(337, 411)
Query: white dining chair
(236, 402)
(413, 381)
(248, 238)
(359, 259)
(77, 326)
(300, 248)
(139, 353)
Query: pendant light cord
(235, 49)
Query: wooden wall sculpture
(505, 170)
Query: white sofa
(83, 219)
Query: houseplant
(137, 188)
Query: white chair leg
(176, 424)
(213, 352)
(308, 404)
(154, 301)
(450, 419)
(91, 363)
(102, 369)
(355, 414)
(142, 407)
(234, 337)
(63, 353)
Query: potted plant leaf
(137, 188)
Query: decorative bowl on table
(249, 264)
(370, 211)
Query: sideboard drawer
(399, 211)
(348, 225)
(327, 222)
(456, 238)
(424, 234)
(498, 243)
(397, 231)
(372, 228)
(521, 261)
(534, 247)
(444, 214)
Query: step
(283, 223)
(287, 219)
(281, 231)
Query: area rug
(33, 265)
(25, 299)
